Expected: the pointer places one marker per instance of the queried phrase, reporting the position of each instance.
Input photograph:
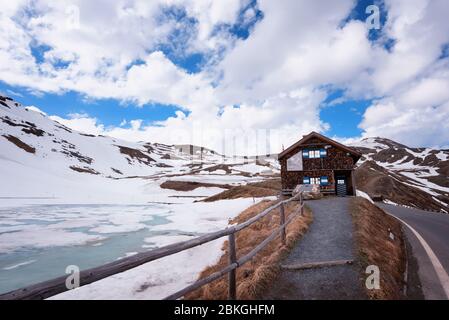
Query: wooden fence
(52, 287)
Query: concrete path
(434, 229)
(329, 238)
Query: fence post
(232, 295)
(301, 203)
(282, 211)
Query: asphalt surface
(434, 228)
(329, 238)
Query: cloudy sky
(181, 71)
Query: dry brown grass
(246, 191)
(269, 184)
(376, 180)
(270, 187)
(374, 247)
(256, 275)
(84, 169)
(190, 185)
(19, 143)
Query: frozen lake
(38, 242)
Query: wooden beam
(354, 190)
(282, 218)
(313, 265)
(198, 284)
(264, 243)
(232, 295)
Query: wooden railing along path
(52, 287)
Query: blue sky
(110, 112)
(294, 66)
(345, 116)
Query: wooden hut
(316, 159)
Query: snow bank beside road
(360, 193)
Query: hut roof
(314, 134)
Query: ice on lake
(38, 242)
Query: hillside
(416, 177)
(41, 158)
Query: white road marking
(439, 269)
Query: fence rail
(55, 286)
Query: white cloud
(96, 56)
(82, 123)
(235, 130)
(275, 79)
(161, 81)
(35, 109)
(419, 31)
(209, 14)
(413, 79)
(417, 115)
(12, 92)
(136, 124)
(298, 43)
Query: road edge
(442, 275)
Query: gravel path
(329, 238)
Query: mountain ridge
(41, 157)
(417, 177)
(35, 147)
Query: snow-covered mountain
(417, 177)
(40, 157)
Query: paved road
(329, 238)
(434, 228)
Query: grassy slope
(376, 180)
(257, 274)
(265, 188)
(190, 185)
(374, 247)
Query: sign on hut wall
(294, 163)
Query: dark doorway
(342, 186)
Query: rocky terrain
(415, 177)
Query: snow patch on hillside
(360, 193)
